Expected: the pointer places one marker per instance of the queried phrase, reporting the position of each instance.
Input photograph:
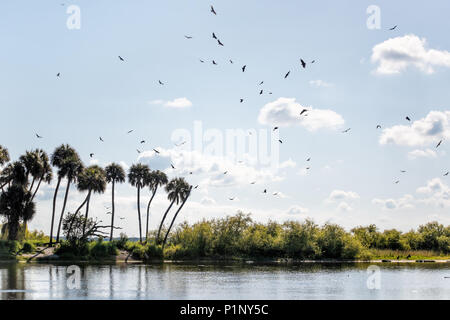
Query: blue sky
(98, 95)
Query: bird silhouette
(303, 111)
(308, 159)
(231, 199)
(156, 150)
(408, 118)
(439, 144)
(91, 155)
(276, 128)
(243, 68)
(225, 172)
(101, 139)
(396, 182)
(287, 74)
(173, 167)
(214, 36)
(196, 187)
(265, 191)
(160, 82)
(280, 141)
(231, 61)
(138, 151)
(213, 62)
(121, 59)
(261, 83)
(58, 74)
(303, 63)
(253, 182)
(142, 141)
(446, 174)
(261, 92)
(38, 136)
(393, 28)
(346, 130)
(220, 43)
(403, 171)
(130, 131)
(188, 37)
(378, 126)
(202, 61)
(241, 100)
(213, 11)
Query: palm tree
(136, 177)
(66, 159)
(174, 189)
(114, 174)
(91, 179)
(154, 180)
(184, 195)
(4, 155)
(37, 166)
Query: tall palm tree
(136, 177)
(154, 180)
(184, 195)
(4, 155)
(114, 174)
(91, 179)
(66, 159)
(174, 189)
(37, 166)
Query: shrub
(28, 247)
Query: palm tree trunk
(13, 229)
(164, 218)
(173, 220)
(63, 208)
(87, 211)
(37, 188)
(54, 209)
(139, 211)
(113, 210)
(148, 213)
(32, 184)
(75, 214)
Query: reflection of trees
(13, 281)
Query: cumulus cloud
(405, 202)
(207, 201)
(176, 103)
(426, 131)
(288, 164)
(418, 153)
(286, 112)
(320, 83)
(344, 207)
(437, 193)
(340, 195)
(297, 210)
(398, 54)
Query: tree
(37, 166)
(114, 174)
(154, 180)
(136, 177)
(69, 165)
(4, 158)
(91, 179)
(184, 195)
(174, 190)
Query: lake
(225, 281)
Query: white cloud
(426, 131)
(397, 54)
(340, 195)
(207, 201)
(176, 103)
(286, 112)
(320, 83)
(297, 210)
(288, 164)
(405, 202)
(418, 153)
(344, 207)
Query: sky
(362, 76)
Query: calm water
(171, 281)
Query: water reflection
(219, 281)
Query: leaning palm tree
(4, 155)
(91, 179)
(66, 159)
(136, 177)
(37, 166)
(154, 180)
(114, 174)
(184, 195)
(174, 189)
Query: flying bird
(121, 218)
(446, 174)
(213, 11)
(173, 167)
(38, 136)
(214, 62)
(180, 144)
(396, 182)
(261, 83)
(303, 63)
(287, 74)
(280, 141)
(156, 150)
(243, 68)
(261, 92)
(196, 187)
(130, 131)
(253, 182)
(241, 100)
(265, 191)
(214, 36)
(403, 171)
(138, 151)
(347, 130)
(58, 74)
(439, 144)
(202, 61)
(160, 82)
(225, 172)
(101, 139)
(303, 111)
(220, 43)
(393, 28)
(121, 59)
(231, 61)
(142, 141)
(407, 118)
(91, 155)
(313, 61)
(308, 159)
(188, 37)
(378, 126)
(231, 199)
(276, 128)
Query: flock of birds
(303, 113)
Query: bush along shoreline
(238, 237)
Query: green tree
(4, 158)
(114, 174)
(136, 177)
(153, 180)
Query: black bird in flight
(231, 61)
(378, 126)
(243, 68)
(280, 141)
(196, 187)
(393, 28)
(261, 83)
(439, 144)
(231, 199)
(402, 171)
(446, 174)
(101, 139)
(308, 159)
(407, 118)
(58, 74)
(242, 100)
(313, 61)
(142, 141)
(38, 136)
(220, 43)
(276, 128)
(303, 111)
(160, 82)
(213, 11)
(91, 155)
(180, 144)
(156, 150)
(202, 61)
(130, 131)
(121, 218)
(225, 172)
(173, 167)
(253, 182)
(261, 92)
(307, 168)
(303, 63)
(265, 191)
(287, 74)
(188, 37)
(138, 151)
(121, 59)
(214, 36)
(347, 130)
(396, 182)
(214, 62)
